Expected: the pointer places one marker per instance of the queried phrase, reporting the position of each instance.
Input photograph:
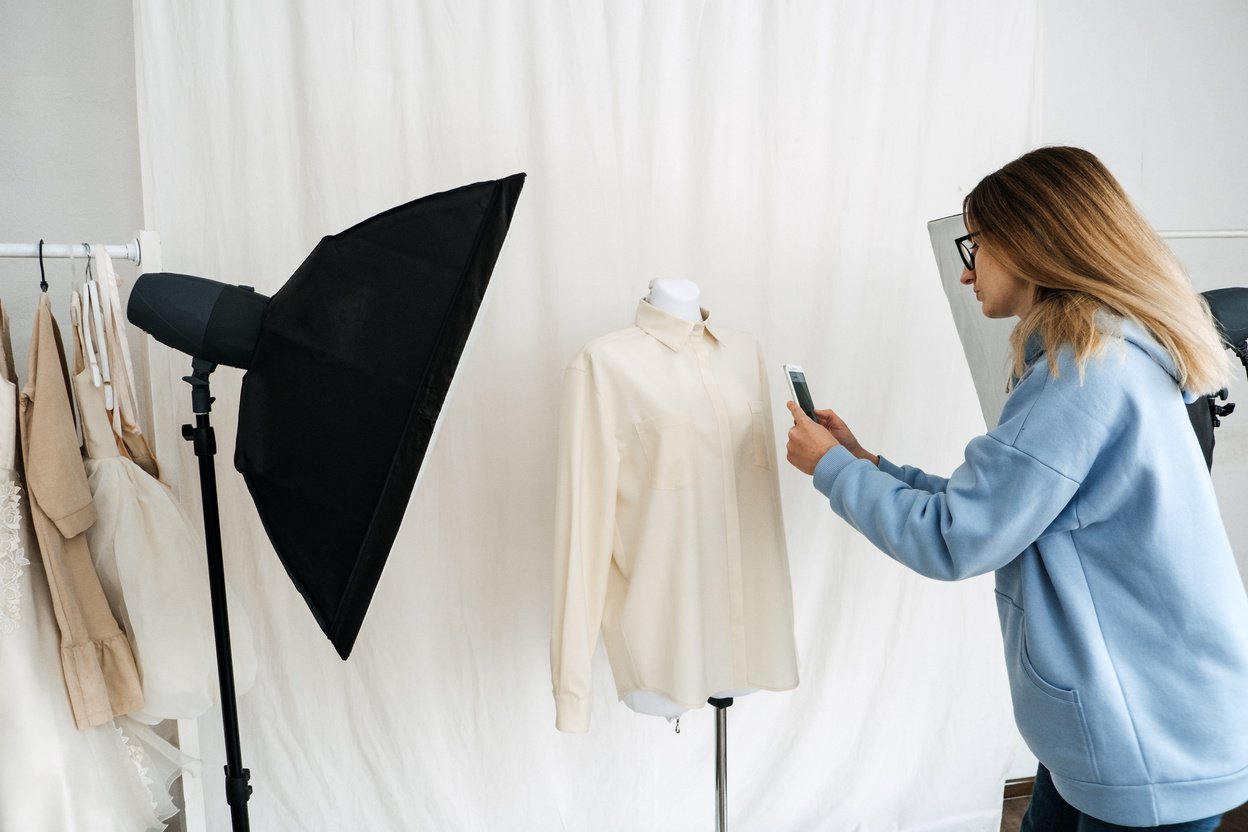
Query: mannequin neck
(676, 297)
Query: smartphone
(801, 393)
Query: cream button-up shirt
(669, 535)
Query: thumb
(798, 413)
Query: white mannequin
(676, 297)
(680, 298)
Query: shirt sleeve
(54, 471)
(584, 533)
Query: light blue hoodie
(1124, 617)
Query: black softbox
(352, 365)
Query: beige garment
(669, 534)
(100, 672)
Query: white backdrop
(783, 155)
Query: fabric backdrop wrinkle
(785, 156)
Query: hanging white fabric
(121, 399)
(93, 358)
(786, 157)
(100, 370)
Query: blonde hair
(1058, 219)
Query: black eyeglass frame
(966, 252)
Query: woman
(1124, 618)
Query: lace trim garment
(12, 557)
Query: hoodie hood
(1125, 331)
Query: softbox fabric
(353, 362)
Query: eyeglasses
(967, 250)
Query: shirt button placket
(732, 556)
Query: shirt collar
(672, 331)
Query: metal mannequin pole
(721, 762)
(237, 791)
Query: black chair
(1230, 310)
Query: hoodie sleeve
(1014, 483)
(914, 477)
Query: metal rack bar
(1203, 235)
(128, 251)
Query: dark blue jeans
(1049, 812)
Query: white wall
(69, 147)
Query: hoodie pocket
(1050, 718)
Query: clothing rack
(145, 248)
(131, 251)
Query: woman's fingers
(829, 419)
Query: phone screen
(803, 394)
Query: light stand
(237, 790)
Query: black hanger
(43, 278)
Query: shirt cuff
(571, 713)
(76, 522)
(829, 467)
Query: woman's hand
(808, 440)
(834, 425)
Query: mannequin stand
(721, 762)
